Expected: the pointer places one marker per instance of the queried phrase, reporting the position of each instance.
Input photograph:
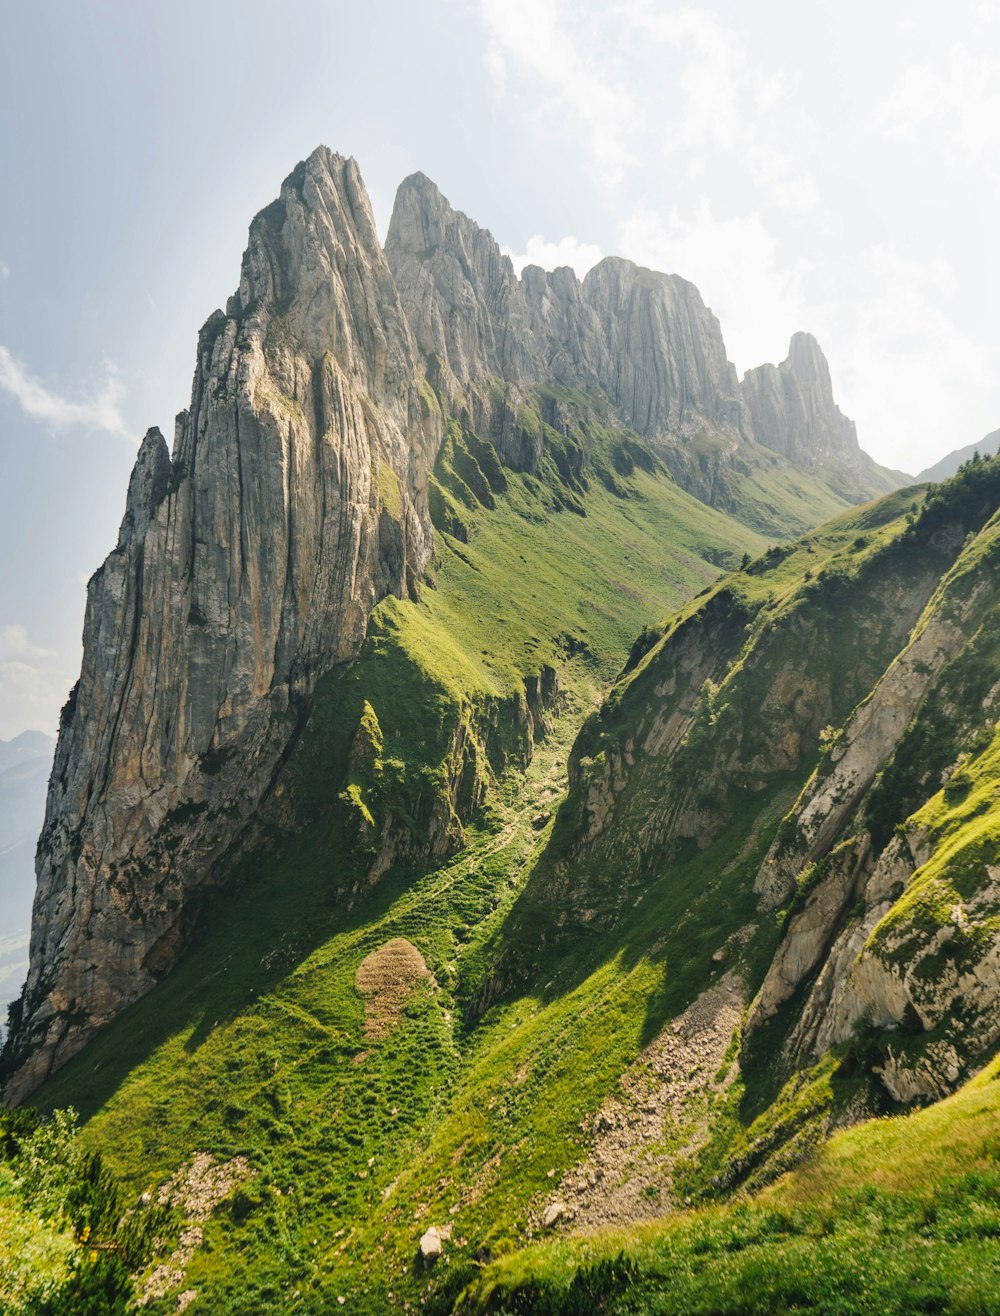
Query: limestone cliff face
(463, 299)
(641, 342)
(792, 408)
(247, 564)
(792, 412)
(667, 369)
(645, 339)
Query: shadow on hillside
(251, 935)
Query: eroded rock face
(645, 339)
(792, 408)
(463, 299)
(642, 342)
(247, 564)
(895, 940)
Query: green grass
(897, 1216)
(35, 1254)
(422, 801)
(422, 751)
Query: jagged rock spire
(246, 566)
(792, 408)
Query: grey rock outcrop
(463, 299)
(893, 936)
(247, 565)
(638, 342)
(792, 412)
(644, 339)
(792, 408)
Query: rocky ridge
(247, 564)
(296, 496)
(643, 340)
(874, 656)
(896, 933)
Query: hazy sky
(822, 166)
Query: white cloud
(709, 110)
(902, 366)
(33, 684)
(580, 256)
(647, 88)
(14, 643)
(537, 39)
(966, 98)
(101, 412)
(4, 270)
(734, 263)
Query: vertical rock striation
(642, 343)
(247, 564)
(645, 340)
(793, 413)
(792, 408)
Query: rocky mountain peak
(792, 408)
(147, 487)
(247, 566)
(461, 294)
(314, 259)
(667, 367)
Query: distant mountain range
(947, 466)
(24, 773)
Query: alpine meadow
(525, 837)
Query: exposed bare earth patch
(660, 1115)
(196, 1190)
(387, 979)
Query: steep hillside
(988, 446)
(440, 1050)
(345, 399)
(896, 1216)
(431, 764)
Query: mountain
(947, 466)
(644, 341)
(514, 788)
(24, 769)
(546, 1023)
(823, 901)
(300, 492)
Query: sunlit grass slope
(256, 1044)
(896, 1216)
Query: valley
(526, 834)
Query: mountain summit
(298, 494)
(247, 563)
(516, 789)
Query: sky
(832, 167)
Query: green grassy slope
(420, 803)
(896, 1216)
(756, 486)
(257, 1044)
